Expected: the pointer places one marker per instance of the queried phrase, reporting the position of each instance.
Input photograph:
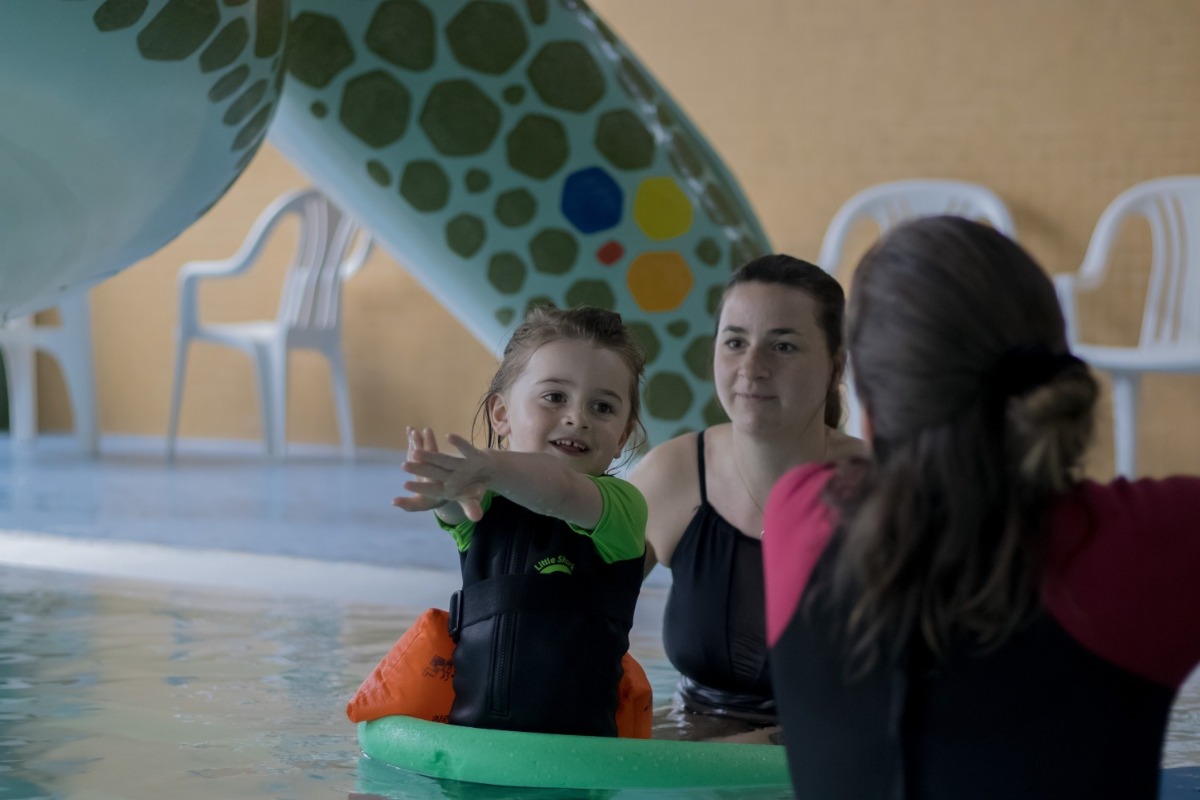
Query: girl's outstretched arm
(425, 495)
(538, 481)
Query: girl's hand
(419, 440)
(443, 478)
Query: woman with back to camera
(777, 366)
(965, 617)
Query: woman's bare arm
(666, 477)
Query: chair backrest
(1172, 208)
(331, 248)
(888, 204)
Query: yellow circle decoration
(661, 209)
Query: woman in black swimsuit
(777, 366)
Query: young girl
(551, 546)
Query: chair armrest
(362, 251)
(191, 273)
(195, 271)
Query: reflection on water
(1182, 747)
(111, 691)
(119, 690)
(116, 690)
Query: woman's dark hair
(545, 324)
(979, 416)
(826, 292)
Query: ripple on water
(118, 689)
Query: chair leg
(80, 376)
(1125, 408)
(20, 361)
(272, 365)
(279, 389)
(341, 397)
(74, 351)
(6, 360)
(264, 371)
(181, 351)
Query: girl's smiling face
(571, 400)
(771, 362)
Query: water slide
(505, 153)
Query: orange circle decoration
(659, 280)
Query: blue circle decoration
(592, 200)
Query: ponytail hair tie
(1023, 368)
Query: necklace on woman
(761, 513)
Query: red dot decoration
(610, 252)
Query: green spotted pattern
(481, 82)
(506, 271)
(554, 251)
(425, 186)
(222, 40)
(698, 357)
(515, 207)
(647, 338)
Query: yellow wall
(1058, 105)
(409, 361)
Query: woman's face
(771, 363)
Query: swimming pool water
(116, 689)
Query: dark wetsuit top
(714, 628)
(1074, 705)
(543, 619)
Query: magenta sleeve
(1123, 577)
(796, 528)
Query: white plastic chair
(889, 204)
(1170, 336)
(331, 248)
(70, 343)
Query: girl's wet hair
(980, 417)
(783, 270)
(546, 324)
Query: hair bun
(1050, 426)
(1025, 367)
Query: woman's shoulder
(1122, 573)
(800, 494)
(840, 446)
(1153, 497)
(671, 462)
(1124, 513)
(797, 527)
(669, 478)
